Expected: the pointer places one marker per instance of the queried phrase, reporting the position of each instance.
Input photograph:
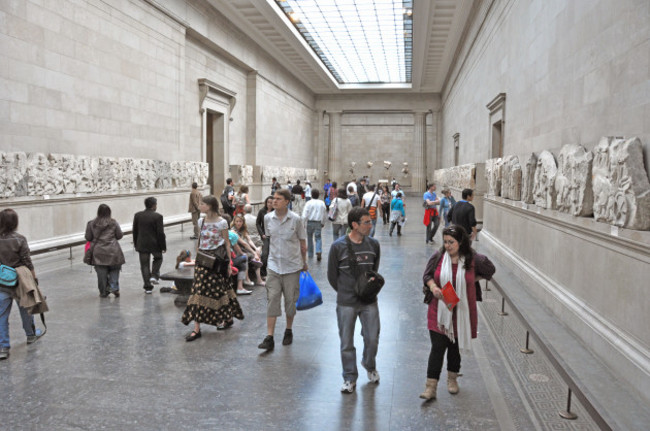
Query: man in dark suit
(149, 239)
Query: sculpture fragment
(574, 193)
(544, 190)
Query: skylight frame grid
(350, 38)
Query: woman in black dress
(213, 300)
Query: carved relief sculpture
(620, 184)
(493, 176)
(37, 174)
(528, 180)
(544, 190)
(458, 177)
(574, 193)
(511, 178)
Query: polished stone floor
(123, 363)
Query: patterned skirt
(213, 299)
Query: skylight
(359, 41)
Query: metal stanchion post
(503, 306)
(487, 287)
(568, 414)
(526, 350)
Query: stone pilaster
(335, 155)
(419, 151)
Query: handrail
(80, 240)
(552, 355)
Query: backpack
(331, 215)
(225, 202)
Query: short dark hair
(297, 181)
(342, 193)
(371, 187)
(195, 185)
(228, 181)
(103, 211)
(150, 202)
(284, 193)
(8, 220)
(212, 202)
(467, 193)
(315, 194)
(275, 179)
(355, 215)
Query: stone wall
(571, 73)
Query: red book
(449, 296)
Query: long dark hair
(464, 248)
(341, 193)
(103, 211)
(8, 221)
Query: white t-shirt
(368, 196)
(353, 184)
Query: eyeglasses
(366, 222)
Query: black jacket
(148, 232)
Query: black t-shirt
(462, 214)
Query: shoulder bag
(219, 262)
(369, 283)
(8, 276)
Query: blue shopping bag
(310, 295)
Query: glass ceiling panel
(359, 41)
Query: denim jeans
(241, 263)
(347, 317)
(108, 278)
(155, 268)
(314, 229)
(338, 230)
(374, 225)
(5, 308)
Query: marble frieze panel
(621, 189)
(573, 188)
(528, 179)
(511, 178)
(493, 176)
(39, 174)
(285, 173)
(544, 180)
(458, 177)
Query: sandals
(224, 326)
(193, 336)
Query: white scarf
(445, 321)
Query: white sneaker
(348, 387)
(373, 376)
(148, 292)
(244, 292)
(153, 280)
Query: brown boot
(452, 383)
(430, 390)
(319, 256)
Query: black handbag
(218, 263)
(368, 283)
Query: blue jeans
(314, 230)
(108, 278)
(374, 225)
(338, 230)
(5, 308)
(347, 318)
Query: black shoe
(267, 344)
(116, 293)
(194, 237)
(390, 233)
(103, 295)
(193, 336)
(319, 256)
(288, 337)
